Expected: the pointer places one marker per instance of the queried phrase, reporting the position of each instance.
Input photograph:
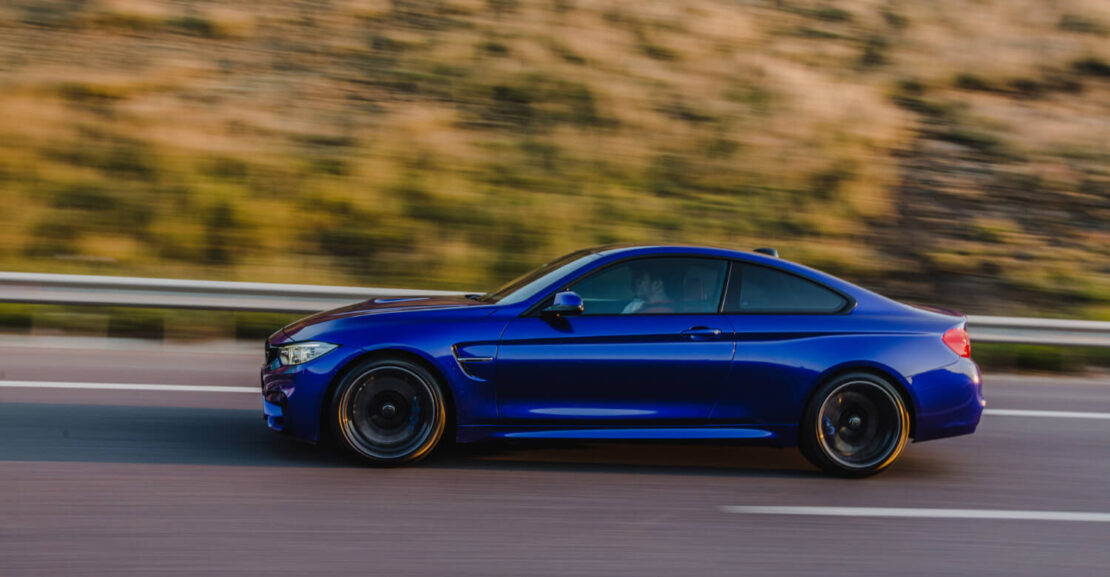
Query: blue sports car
(632, 342)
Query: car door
(648, 347)
(786, 328)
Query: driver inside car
(649, 294)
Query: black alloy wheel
(389, 411)
(856, 425)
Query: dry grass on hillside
(454, 143)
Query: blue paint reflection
(647, 433)
(591, 412)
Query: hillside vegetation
(946, 151)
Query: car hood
(384, 304)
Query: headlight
(298, 353)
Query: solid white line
(128, 387)
(1048, 414)
(909, 513)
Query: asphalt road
(109, 482)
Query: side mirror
(565, 304)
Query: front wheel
(856, 425)
(389, 411)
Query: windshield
(527, 285)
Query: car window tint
(758, 289)
(671, 285)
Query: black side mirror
(565, 304)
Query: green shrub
(196, 26)
(51, 238)
(978, 140)
(1082, 24)
(1027, 87)
(84, 197)
(504, 6)
(874, 53)
(895, 19)
(657, 52)
(135, 323)
(1002, 357)
(967, 81)
(910, 94)
(831, 14)
(1092, 66)
(495, 49)
(227, 168)
(258, 326)
(220, 240)
(84, 93)
(15, 317)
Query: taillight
(958, 341)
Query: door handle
(701, 333)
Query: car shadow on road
(204, 436)
(145, 434)
(701, 458)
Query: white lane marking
(910, 513)
(1047, 414)
(128, 387)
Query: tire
(855, 425)
(389, 412)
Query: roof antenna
(768, 251)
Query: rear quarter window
(760, 289)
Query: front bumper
(293, 396)
(274, 413)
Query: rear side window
(759, 289)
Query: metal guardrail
(64, 289)
(296, 298)
(1059, 332)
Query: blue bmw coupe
(632, 342)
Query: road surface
(104, 481)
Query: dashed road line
(128, 387)
(911, 513)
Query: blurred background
(953, 152)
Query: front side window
(670, 285)
(759, 289)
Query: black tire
(389, 412)
(855, 425)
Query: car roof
(631, 249)
(614, 252)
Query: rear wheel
(389, 411)
(856, 425)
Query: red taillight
(958, 341)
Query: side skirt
(775, 435)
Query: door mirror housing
(566, 303)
